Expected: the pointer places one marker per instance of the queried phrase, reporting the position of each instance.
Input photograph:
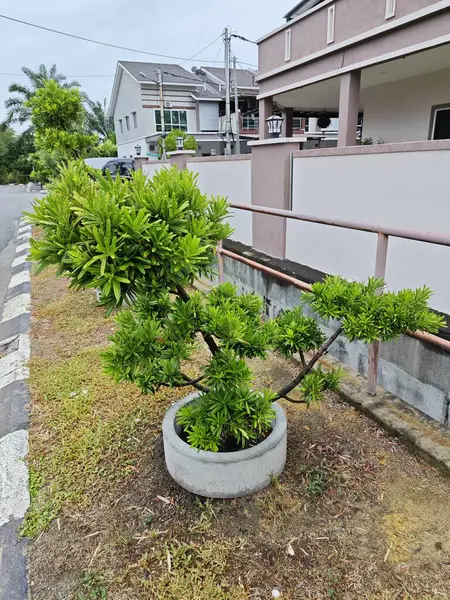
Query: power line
(244, 69)
(205, 48)
(218, 52)
(244, 39)
(92, 41)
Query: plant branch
(292, 401)
(194, 382)
(309, 367)
(206, 336)
(189, 382)
(302, 359)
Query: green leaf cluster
(292, 332)
(121, 236)
(222, 415)
(317, 382)
(367, 314)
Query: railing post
(220, 261)
(374, 349)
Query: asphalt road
(13, 200)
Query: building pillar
(288, 124)
(271, 186)
(180, 158)
(349, 108)
(265, 111)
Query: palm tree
(18, 112)
(98, 121)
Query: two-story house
(193, 102)
(384, 61)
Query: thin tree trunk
(294, 383)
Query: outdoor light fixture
(274, 124)
(137, 149)
(180, 142)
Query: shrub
(190, 142)
(144, 243)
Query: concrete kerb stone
(14, 398)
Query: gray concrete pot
(224, 474)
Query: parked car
(116, 166)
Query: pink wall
(309, 34)
(416, 33)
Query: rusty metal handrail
(442, 239)
(383, 234)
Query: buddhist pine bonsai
(143, 243)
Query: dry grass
(354, 516)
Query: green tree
(15, 151)
(58, 118)
(105, 148)
(18, 110)
(144, 243)
(99, 122)
(190, 143)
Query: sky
(176, 28)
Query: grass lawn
(354, 515)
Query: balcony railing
(252, 123)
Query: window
(440, 122)
(121, 125)
(134, 120)
(331, 21)
(127, 121)
(390, 9)
(173, 119)
(287, 44)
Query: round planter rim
(173, 439)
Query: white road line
(16, 306)
(14, 495)
(20, 260)
(22, 247)
(24, 229)
(19, 278)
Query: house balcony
(393, 78)
(340, 35)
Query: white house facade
(193, 102)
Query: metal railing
(250, 123)
(383, 234)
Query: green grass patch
(93, 587)
(86, 429)
(189, 571)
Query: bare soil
(354, 515)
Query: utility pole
(161, 105)
(237, 149)
(227, 44)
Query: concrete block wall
(416, 372)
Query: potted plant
(143, 244)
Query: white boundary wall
(150, 168)
(229, 177)
(405, 189)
